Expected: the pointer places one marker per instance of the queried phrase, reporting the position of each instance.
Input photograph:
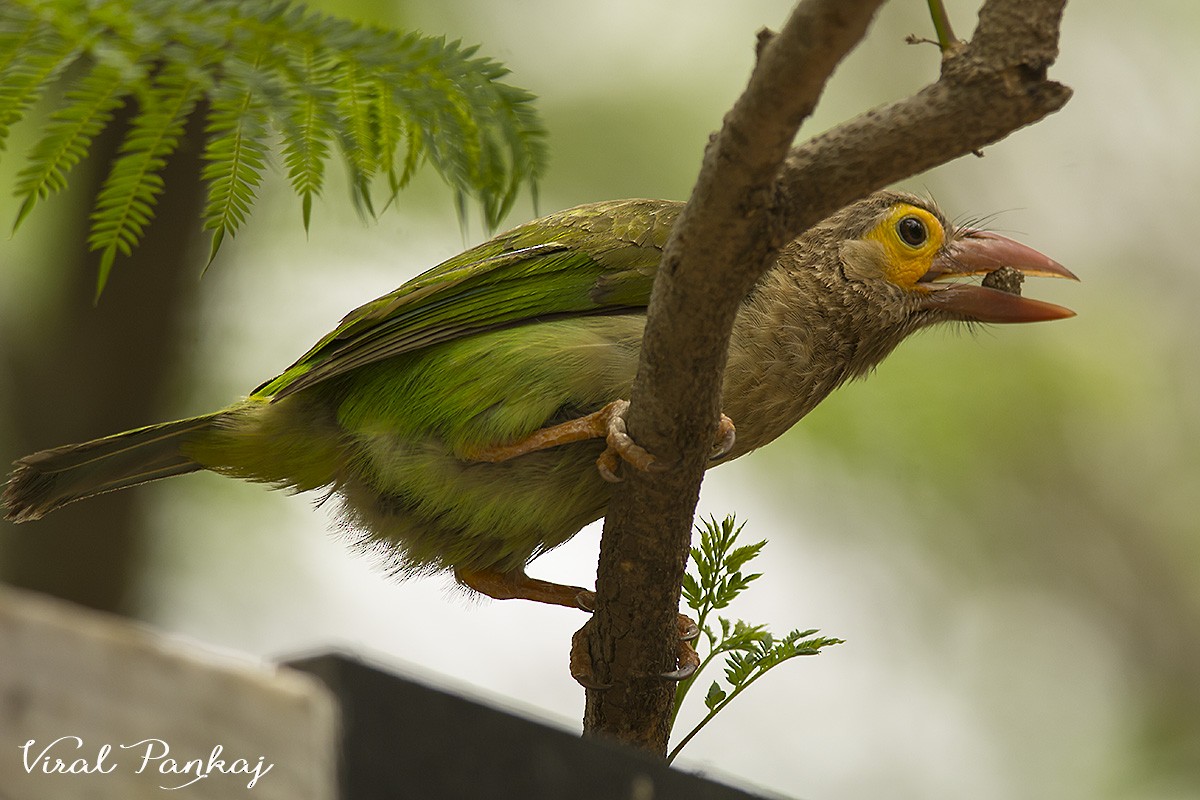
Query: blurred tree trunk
(94, 370)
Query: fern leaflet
(89, 109)
(125, 204)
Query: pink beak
(976, 253)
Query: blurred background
(1003, 526)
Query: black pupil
(912, 231)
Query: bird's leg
(515, 584)
(607, 423)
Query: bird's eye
(912, 231)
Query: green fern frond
(90, 107)
(236, 153)
(389, 132)
(268, 71)
(126, 202)
(306, 137)
(356, 136)
(18, 26)
(414, 149)
(38, 56)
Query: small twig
(765, 35)
(712, 712)
(941, 23)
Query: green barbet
(461, 417)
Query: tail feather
(50, 479)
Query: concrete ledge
(404, 739)
(94, 706)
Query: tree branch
(752, 196)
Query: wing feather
(595, 259)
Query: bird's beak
(979, 252)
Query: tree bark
(753, 195)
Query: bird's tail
(44, 481)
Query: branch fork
(754, 193)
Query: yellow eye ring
(911, 237)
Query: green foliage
(125, 204)
(264, 73)
(714, 581)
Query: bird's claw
(686, 657)
(586, 600)
(688, 629)
(726, 437)
(689, 662)
(621, 446)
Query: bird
(472, 419)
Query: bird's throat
(795, 340)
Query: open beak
(977, 253)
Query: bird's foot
(622, 447)
(687, 659)
(725, 439)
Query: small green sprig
(715, 580)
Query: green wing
(593, 259)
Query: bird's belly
(429, 510)
(411, 424)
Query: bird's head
(850, 289)
(900, 253)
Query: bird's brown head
(847, 292)
(899, 252)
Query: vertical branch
(676, 397)
(752, 195)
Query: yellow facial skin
(911, 237)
